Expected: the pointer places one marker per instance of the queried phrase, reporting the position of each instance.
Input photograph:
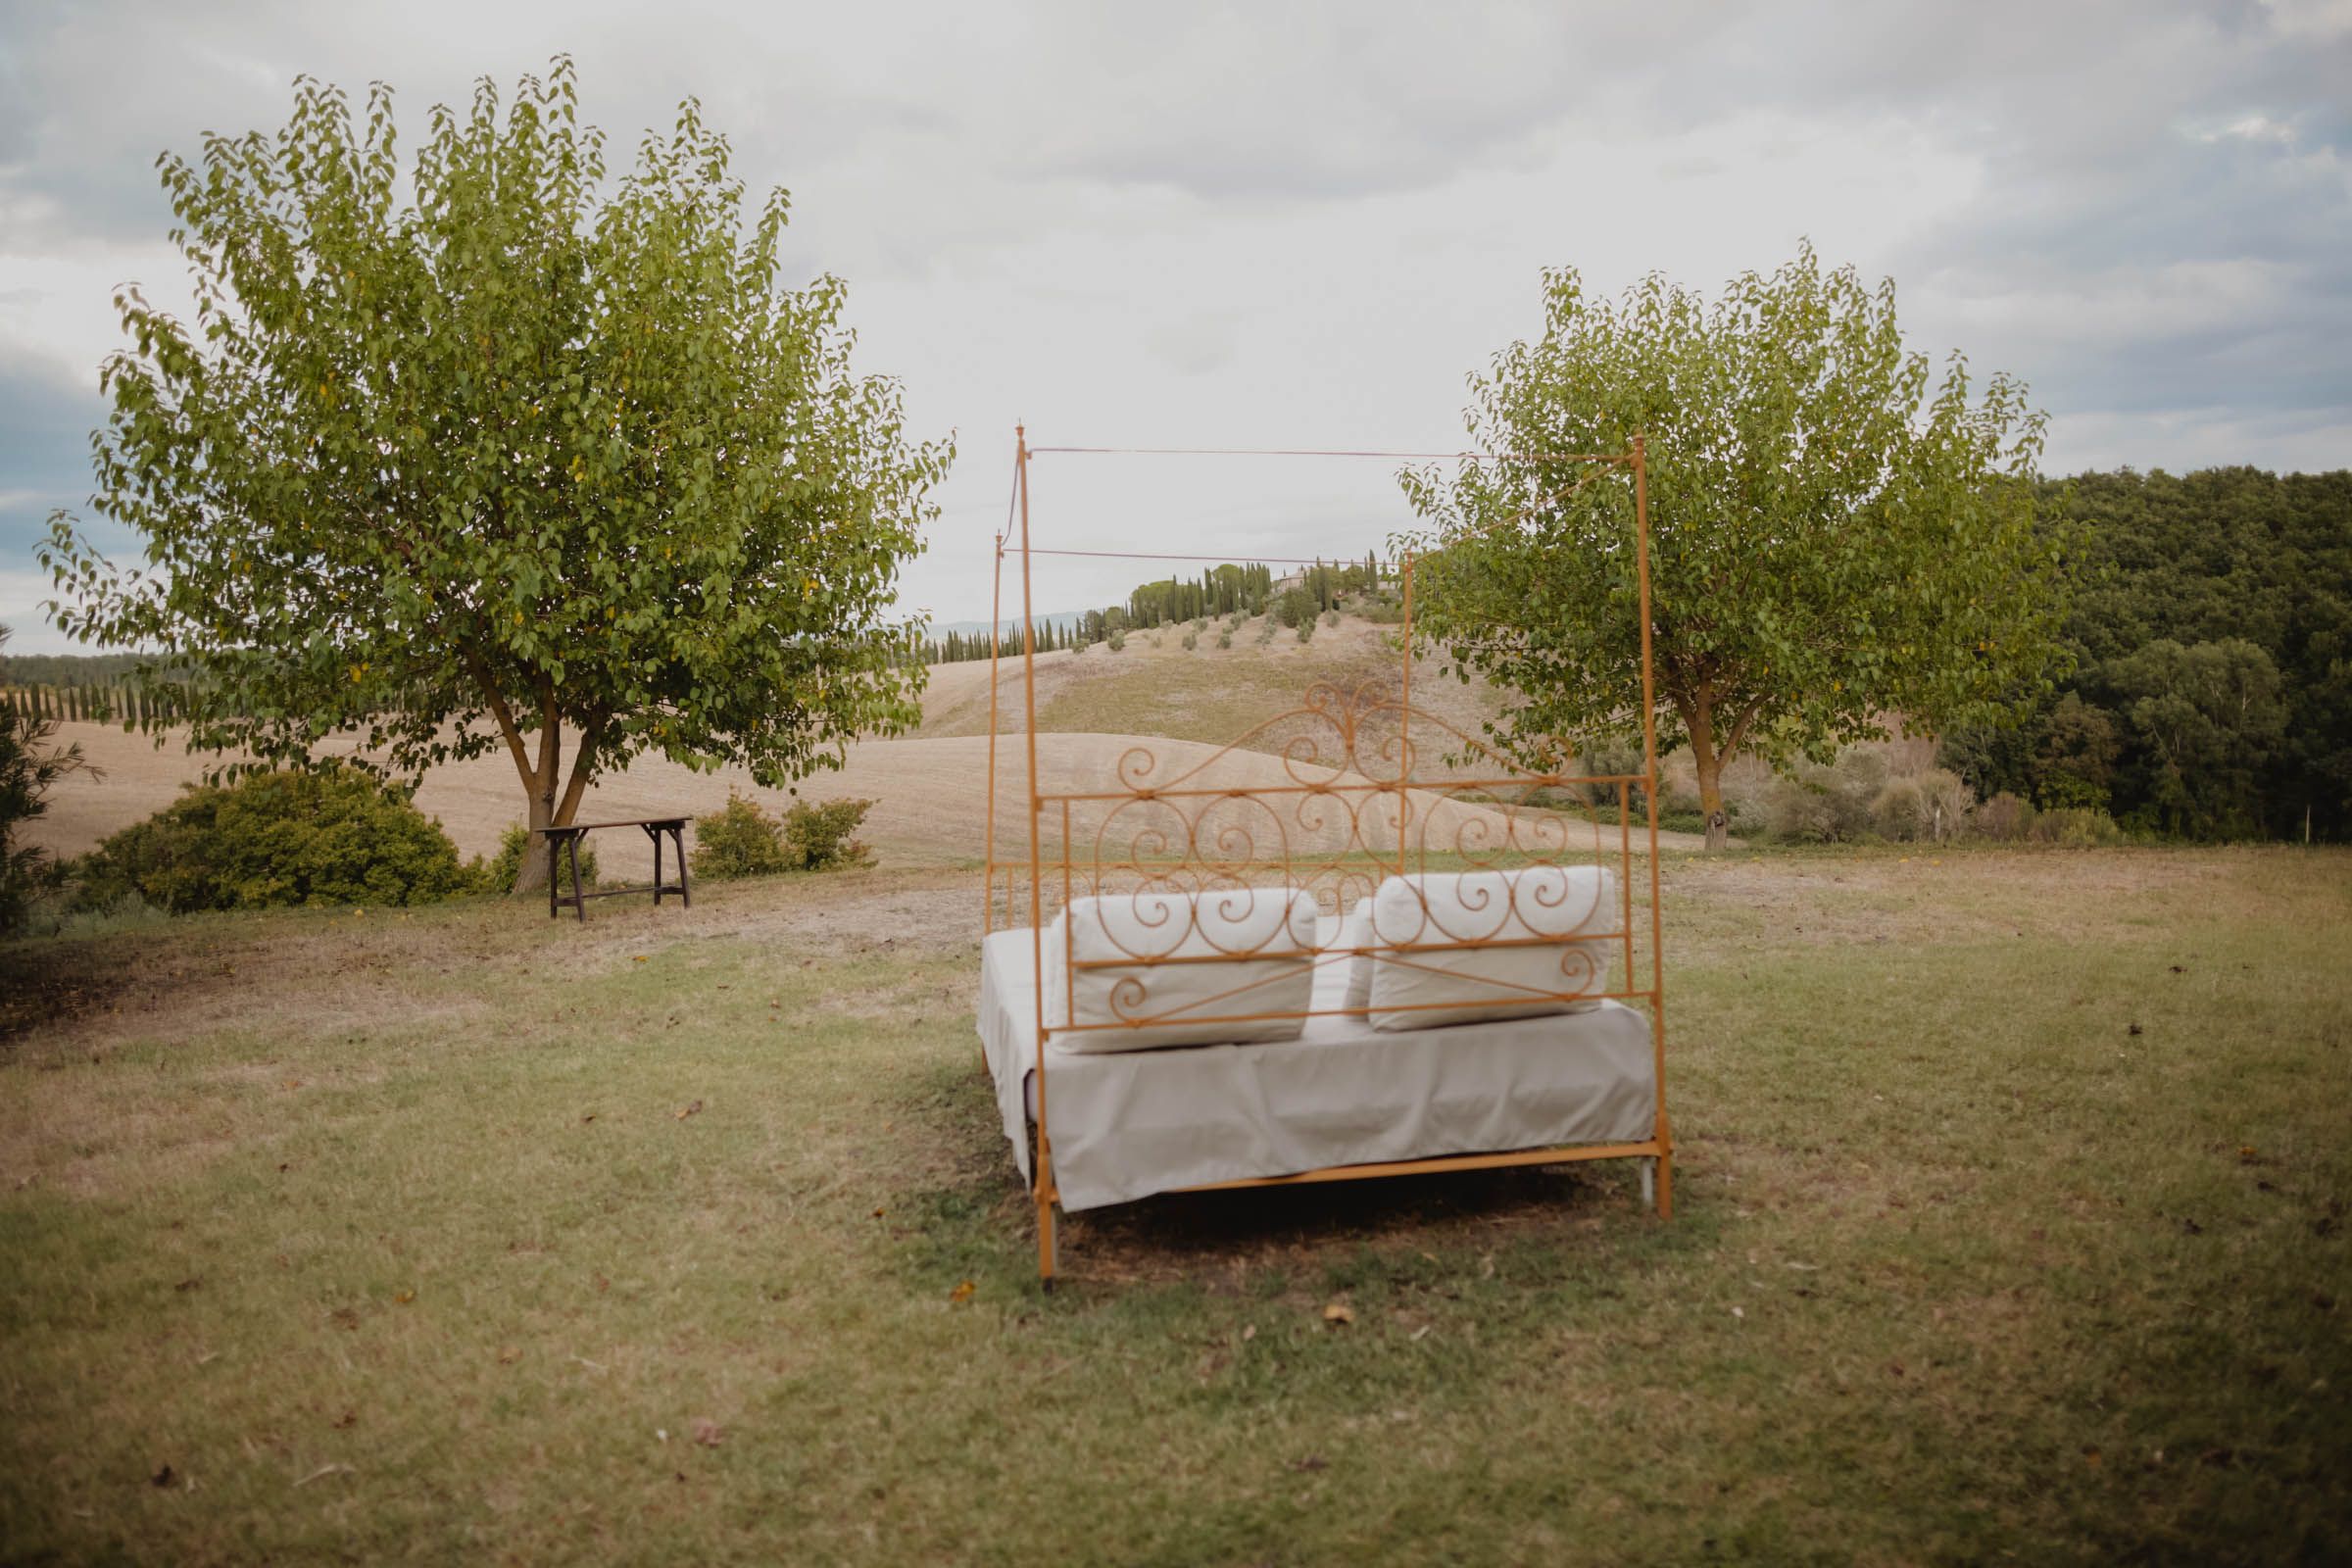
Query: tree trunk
(531, 875)
(1706, 757)
(547, 811)
(1709, 764)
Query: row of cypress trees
(1231, 589)
(97, 704)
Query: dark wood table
(566, 841)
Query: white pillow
(1457, 984)
(1351, 933)
(1258, 944)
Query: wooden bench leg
(656, 835)
(685, 892)
(578, 904)
(552, 848)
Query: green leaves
(511, 458)
(1834, 537)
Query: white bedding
(1134, 1123)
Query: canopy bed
(1354, 942)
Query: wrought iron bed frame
(1348, 785)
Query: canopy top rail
(1619, 457)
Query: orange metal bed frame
(1352, 804)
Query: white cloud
(1239, 224)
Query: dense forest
(2211, 629)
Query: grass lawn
(2012, 1223)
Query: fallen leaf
(878, 1213)
(2090, 1458)
(639, 958)
(662, 1433)
(509, 1357)
(591, 1116)
(188, 1283)
(1740, 1315)
(405, 1297)
(2246, 1154)
(962, 1292)
(2134, 1029)
(1314, 1461)
(162, 1477)
(690, 1110)
(1248, 1331)
(1339, 1312)
(347, 1420)
(706, 1432)
(1422, 1329)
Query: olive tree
(497, 454)
(1836, 535)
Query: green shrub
(1900, 812)
(2005, 818)
(334, 835)
(1225, 638)
(1827, 805)
(498, 874)
(742, 839)
(737, 840)
(28, 766)
(1191, 640)
(1115, 641)
(1306, 629)
(817, 837)
(2076, 827)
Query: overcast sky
(1271, 224)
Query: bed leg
(1666, 1185)
(1045, 1243)
(1650, 1180)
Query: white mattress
(1129, 1124)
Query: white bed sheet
(1129, 1124)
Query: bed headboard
(1328, 799)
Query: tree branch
(1737, 736)
(505, 715)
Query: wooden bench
(566, 841)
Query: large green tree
(1836, 535)
(497, 454)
